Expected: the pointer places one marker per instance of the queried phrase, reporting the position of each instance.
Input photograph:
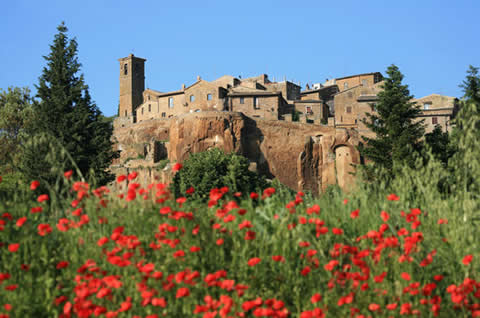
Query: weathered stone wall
(266, 106)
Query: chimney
(183, 86)
(199, 78)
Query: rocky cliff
(300, 155)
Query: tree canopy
(66, 115)
(397, 132)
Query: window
(364, 82)
(255, 103)
(341, 118)
(434, 120)
(349, 109)
(192, 98)
(149, 108)
(125, 69)
(170, 102)
(125, 113)
(242, 100)
(148, 97)
(164, 114)
(345, 85)
(308, 110)
(426, 106)
(209, 96)
(142, 110)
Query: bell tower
(132, 84)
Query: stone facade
(253, 117)
(437, 110)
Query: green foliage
(439, 143)
(466, 139)
(397, 134)
(162, 164)
(15, 116)
(66, 112)
(214, 169)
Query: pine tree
(397, 133)
(66, 113)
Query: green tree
(15, 117)
(397, 133)
(214, 169)
(439, 143)
(66, 113)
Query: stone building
(437, 110)
(254, 96)
(253, 117)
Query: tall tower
(132, 84)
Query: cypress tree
(65, 112)
(397, 133)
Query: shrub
(214, 169)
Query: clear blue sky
(432, 41)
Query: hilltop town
(305, 138)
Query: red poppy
(384, 215)
(190, 190)
(34, 185)
(68, 174)
(373, 307)
(43, 197)
(467, 259)
(254, 195)
(177, 167)
(316, 298)
(305, 270)
(337, 231)
(182, 292)
(13, 247)
(278, 258)
(392, 197)
(354, 214)
(220, 241)
(121, 178)
(62, 264)
(132, 176)
(44, 229)
(406, 276)
(254, 261)
(21, 221)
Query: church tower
(132, 84)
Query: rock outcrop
(300, 155)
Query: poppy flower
(177, 167)
(305, 270)
(354, 214)
(121, 178)
(62, 264)
(44, 229)
(316, 298)
(182, 292)
(392, 197)
(406, 276)
(13, 247)
(34, 185)
(384, 215)
(21, 221)
(467, 259)
(68, 174)
(43, 197)
(254, 195)
(254, 261)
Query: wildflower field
(142, 253)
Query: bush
(214, 169)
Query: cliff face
(301, 156)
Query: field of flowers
(142, 253)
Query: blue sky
(432, 42)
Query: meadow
(139, 252)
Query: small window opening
(209, 96)
(434, 120)
(426, 106)
(149, 108)
(242, 100)
(164, 114)
(349, 109)
(255, 103)
(192, 98)
(170, 102)
(345, 85)
(125, 69)
(125, 113)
